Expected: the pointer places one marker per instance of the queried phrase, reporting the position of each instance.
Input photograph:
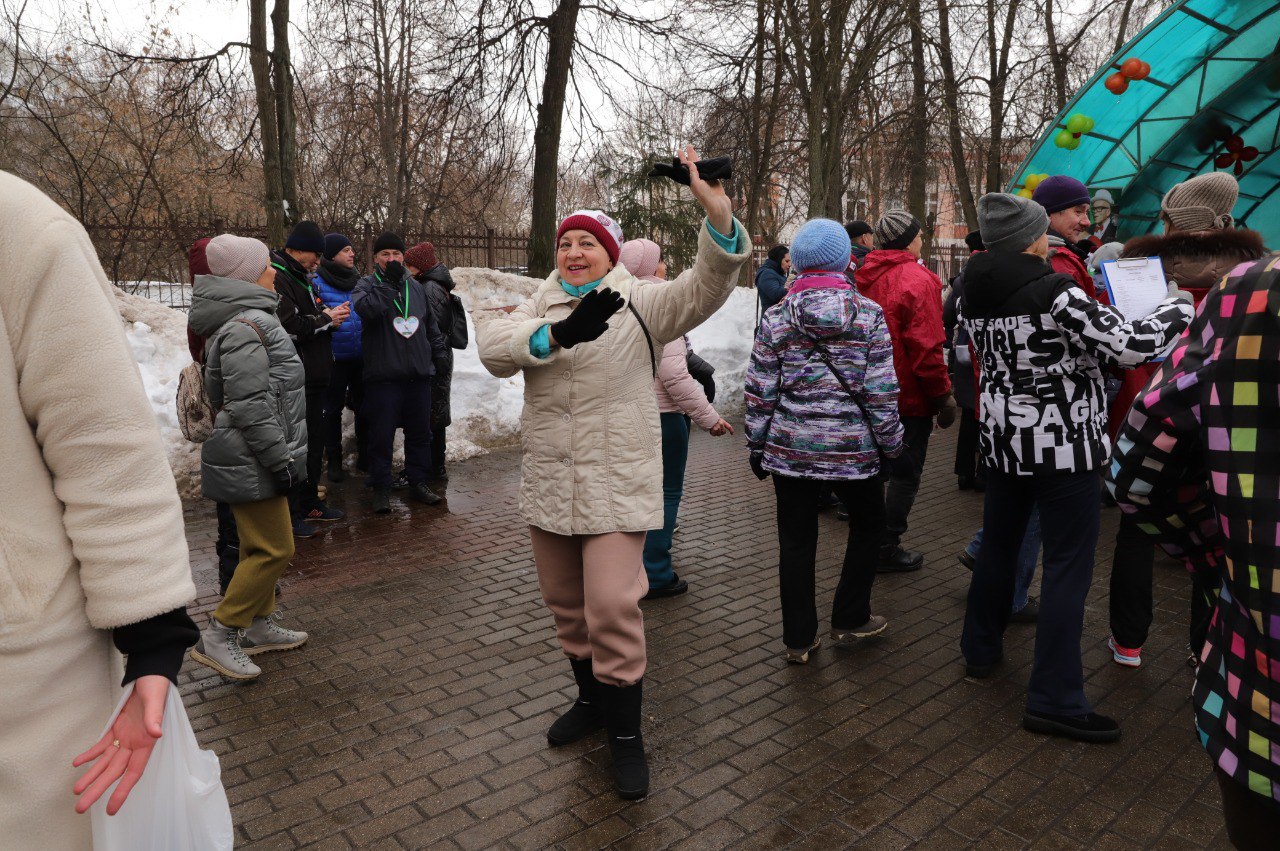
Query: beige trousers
(593, 585)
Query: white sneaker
(266, 634)
(219, 648)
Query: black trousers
(1070, 515)
(901, 492)
(1253, 822)
(304, 496)
(1131, 577)
(227, 546)
(798, 550)
(345, 385)
(437, 450)
(398, 404)
(967, 445)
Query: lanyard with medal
(305, 283)
(404, 324)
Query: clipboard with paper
(1136, 285)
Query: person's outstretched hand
(136, 730)
(589, 319)
(720, 428)
(711, 195)
(757, 466)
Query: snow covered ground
(486, 410)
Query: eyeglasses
(1100, 208)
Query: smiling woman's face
(581, 258)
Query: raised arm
(1102, 330)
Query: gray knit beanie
(237, 257)
(1010, 223)
(1201, 203)
(896, 229)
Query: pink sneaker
(1130, 658)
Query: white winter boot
(219, 648)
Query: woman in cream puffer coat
(592, 471)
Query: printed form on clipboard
(1136, 286)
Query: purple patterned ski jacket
(798, 414)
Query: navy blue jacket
(770, 284)
(388, 355)
(333, 285)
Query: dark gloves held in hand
(716, 168)
(903, 466)
(757, 466)
(394, 272)
(589, 319)
(285, 478)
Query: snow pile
(725, 341)
(158, 337)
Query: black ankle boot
(335, 466)
(622, 720)
(585, 716)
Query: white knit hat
(238, 257)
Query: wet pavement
(415, 717)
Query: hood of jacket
(440, 274)
(215, 300)
(992, 278)
(881, 263)
(822, 313)
(338, 276)
(770, 263)
(1197, 260)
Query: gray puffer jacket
(259, 391)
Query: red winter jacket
(911, 298)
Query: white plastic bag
(178, 804)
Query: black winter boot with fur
(585, 716)
(622, 720)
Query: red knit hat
(598, 225)
(422, 257)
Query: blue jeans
(1027, 556)
(657, 544)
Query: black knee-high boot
(622, 720)
(586, 715)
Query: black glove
(589, 319)
(716, 168)
(394, 272)
(903, 466)
(757, 466)
(285, 478)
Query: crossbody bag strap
(822, 353)
(653, 360)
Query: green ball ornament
(1064, 138)
(1078, 123)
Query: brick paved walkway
(415, 717)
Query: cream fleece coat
(590, 430)
(91, 528)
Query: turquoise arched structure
(1215, 73)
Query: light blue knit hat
(821, 245)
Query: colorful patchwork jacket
(798, 414)
(1198, 460)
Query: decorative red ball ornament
(1117, 84)
(1131, 68)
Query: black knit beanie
(388, 240)
(306, 236)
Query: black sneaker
(970, 562)
(898, 560)
(677, 586)
(399, 482)
(382, 501)
(421, 493)
(1083, 728)
(981, 672)
(324, 514)
(1030, 613)
(303, 529)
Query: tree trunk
(951, 94)
(1057, 61)
(998, 57)
(286, 123)
(918, 132)
(1123, 27)
(561, 31)
(260, 63)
